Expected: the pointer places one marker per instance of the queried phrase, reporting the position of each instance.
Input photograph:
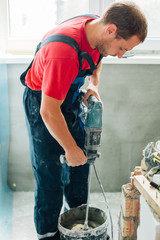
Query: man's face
(116, 46)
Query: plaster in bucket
(71, 224)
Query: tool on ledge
(155, 185)
(156, 157)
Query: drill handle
(92, 99)
(63, 159)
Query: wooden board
(151, 194)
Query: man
(51, 104)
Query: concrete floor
(23, 202)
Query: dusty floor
(23, 225)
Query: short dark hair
(128, 18)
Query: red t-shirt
(56, 64)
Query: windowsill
(15, 59)
(137, 59)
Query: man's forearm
(57, 126)
(94, 79)
(92, 88)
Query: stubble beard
(101, 49)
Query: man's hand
(75, 157)
(91, 90)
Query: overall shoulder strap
(68, 40)
(53, 38)
(60, 38)
(72, 42)
(64, 38)
(83, 15)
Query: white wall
(131, 119)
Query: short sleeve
(58, 75)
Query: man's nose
(120, 53)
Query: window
(31, 19)
(34, 18)
(24, 22)
(151, 10)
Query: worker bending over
(51, 104)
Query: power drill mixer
(91, 116)
(93, 129)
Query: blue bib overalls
(52, 178)
(51, 181)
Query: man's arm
(92, 88)
(56, 125)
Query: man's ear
(111, 29)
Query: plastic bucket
(97, 221)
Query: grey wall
(131, 119)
